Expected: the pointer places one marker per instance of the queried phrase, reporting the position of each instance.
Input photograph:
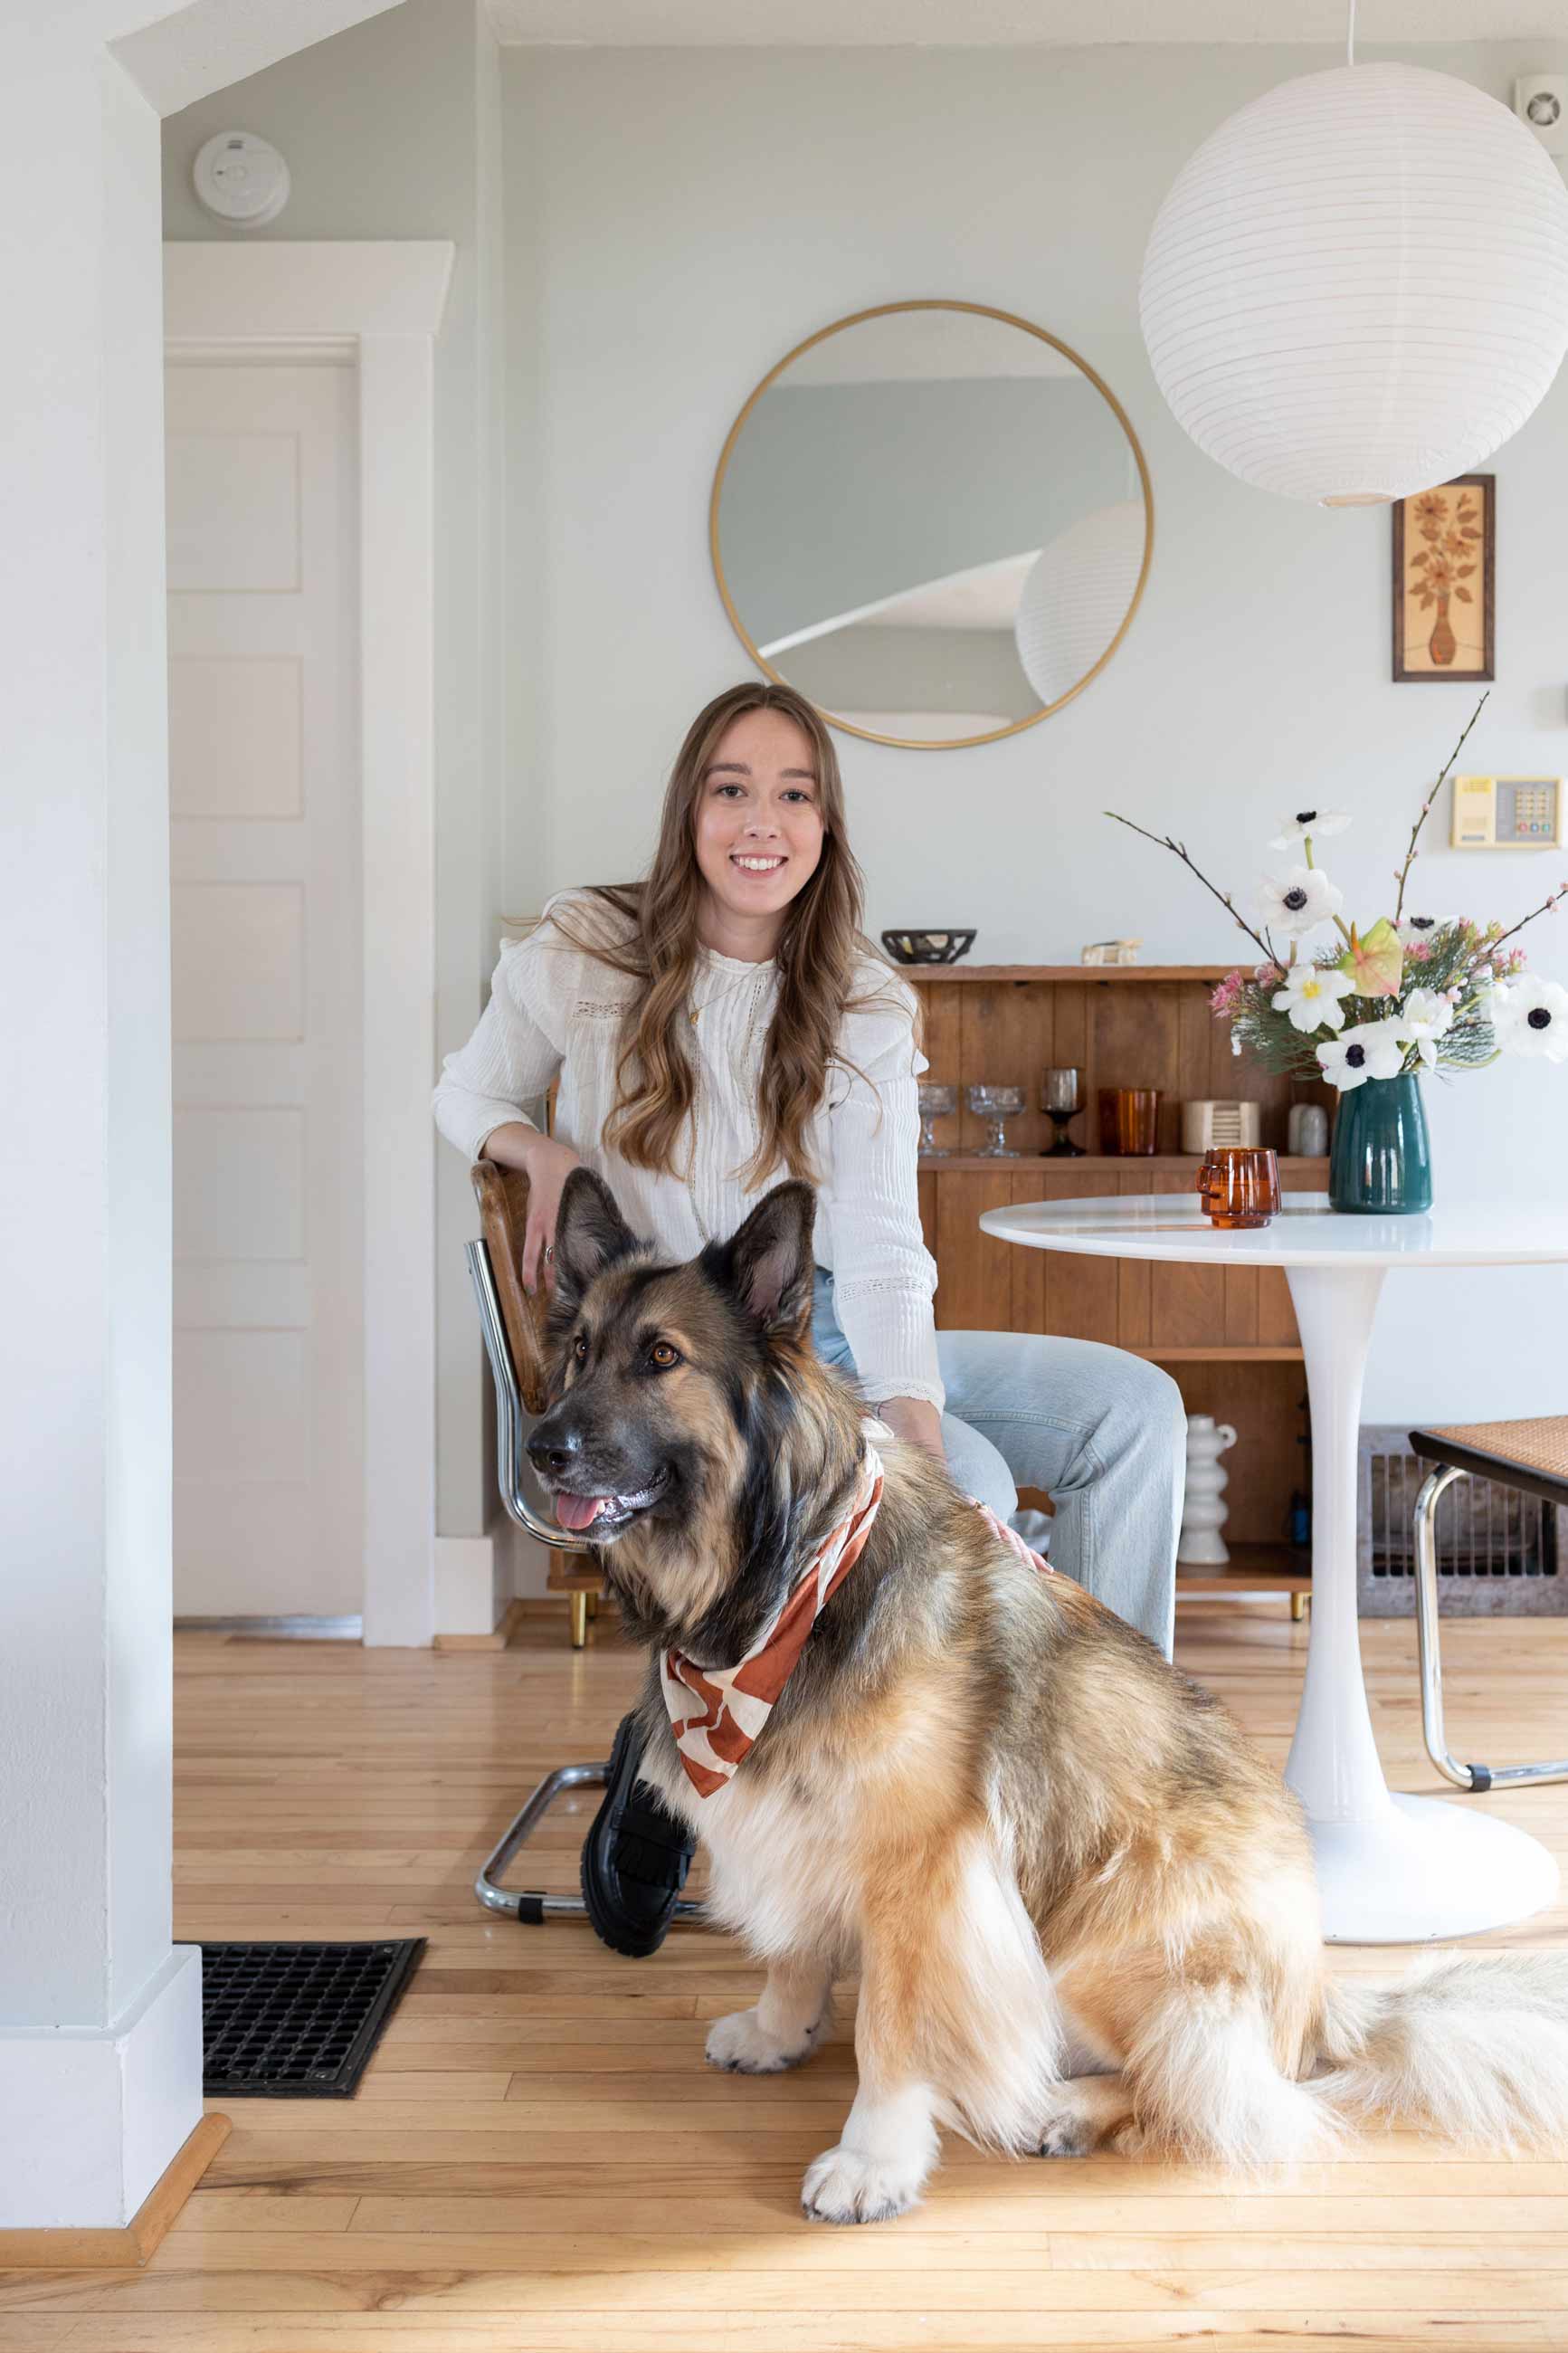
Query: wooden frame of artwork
(1445, 551)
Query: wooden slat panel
(975, 1291)
(1241, 1305)
(1033, 1270)
(1006, 1038)
(1194, 1072)
(1186, 1303)
(1072, 1047)
(941, 1030)
(1134, 1320)
(1137, 1044)
(1081, 1293)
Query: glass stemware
(1061, 1100)
(936, 1103)
(998, 1104)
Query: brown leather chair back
(503, 1220)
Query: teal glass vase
(1380, 1164)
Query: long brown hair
(820, 954)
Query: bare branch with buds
(1427, 807)
(1163, 841)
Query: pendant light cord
(1350, 33)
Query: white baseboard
(471, 1590)
(94, 2117)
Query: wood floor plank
(818, 2330)
(483, 2274)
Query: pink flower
(1418, 952)
(1267, 975)
(1229, 989)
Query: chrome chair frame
(532, 1907)
(1473, 1777)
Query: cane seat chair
(512, 1320)
(1531, 1456)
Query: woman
(717, 1027)
(724, 1024)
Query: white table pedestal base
(1427, 1867)
(1391, 1870)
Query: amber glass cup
(1239, 1184)
(1129, 1117)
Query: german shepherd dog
(1082, 1910)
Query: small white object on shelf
(1307, 1131)
(1203, 1512)
(1207, 1124)
(1111, 951)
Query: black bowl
(928, 947)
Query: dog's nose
(555, 1450)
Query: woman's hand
(547, 1164)
(913, 1421)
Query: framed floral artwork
(1444, 546)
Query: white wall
(391, 130)
(99, 2015)
(676, 219)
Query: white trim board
(385, 301)
(93, 2114)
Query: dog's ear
(590, 1232)
(768, 1264)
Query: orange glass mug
(1239, 1184)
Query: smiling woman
(720, 1023)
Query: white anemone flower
(1530, 1017)
(1370, 1050)
(1414, 929)
(1296, 907)
(1311, 996)
(1309, 824)
(1428, 1016)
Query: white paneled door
(265, 818)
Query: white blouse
(553, 1009)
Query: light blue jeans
(1102, 1432)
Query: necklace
(694, 1011)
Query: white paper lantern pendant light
(1358, 287)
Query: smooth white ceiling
(984, 24)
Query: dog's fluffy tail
(1474, 2050)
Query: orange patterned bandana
(718, 1712)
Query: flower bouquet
(1369, 1008)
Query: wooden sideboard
(1228, 1335)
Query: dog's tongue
(578, 1510)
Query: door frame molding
(381, 302)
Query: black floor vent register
(298, 2022)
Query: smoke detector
(241, 179)
(1541, 103)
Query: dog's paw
(738, 2045)
(842, 2185)
(1065, 2136)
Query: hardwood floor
(539, 2158)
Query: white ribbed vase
(1077, 594)
(1358, 287)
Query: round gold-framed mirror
(934, 519)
